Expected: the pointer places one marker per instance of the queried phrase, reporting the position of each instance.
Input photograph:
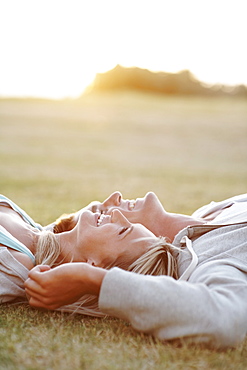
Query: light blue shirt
(9, 240)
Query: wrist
(95, 276)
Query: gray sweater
(208, 304)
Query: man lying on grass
(205, 299)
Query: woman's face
(142, 210)
(106, 239)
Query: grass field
(57, 156)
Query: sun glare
(55, 49)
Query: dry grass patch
(56, 157)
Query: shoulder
(14, 260)
(22, 258)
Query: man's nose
(113, 200)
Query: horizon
(53, 49)
(87, 88)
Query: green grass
(30, 339)
(56, 157)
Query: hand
(65, 284)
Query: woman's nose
(113, 200)
(118, 217)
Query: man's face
(141, 210)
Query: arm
(65, 284)
(212, 308)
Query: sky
(54, 48)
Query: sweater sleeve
(12, 277)
(210, 308)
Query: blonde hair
(47, 249)
(160, 259)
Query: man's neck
(171, 223)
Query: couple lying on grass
(170, 275)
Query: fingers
(33, 288)
(39, 296)
(43, 268)
(37, 272)
(34, 302)
(39, 268)
(40, 289)
(34, 284)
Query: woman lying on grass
(102, 241)
(206, 304)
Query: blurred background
(122, 95)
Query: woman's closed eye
(123, 230)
